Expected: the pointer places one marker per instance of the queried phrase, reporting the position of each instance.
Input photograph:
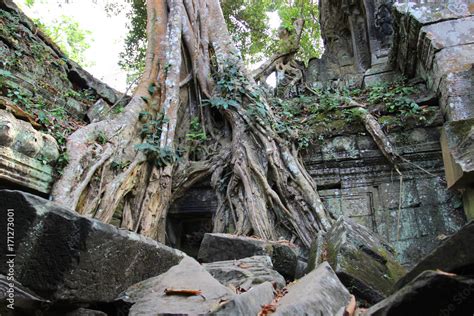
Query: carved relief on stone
(383, 23)
(344, 29)
(26, 155)
(340, 46)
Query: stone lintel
(24, 171)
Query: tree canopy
(249, 24)
(66, 32)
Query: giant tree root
(262, 187)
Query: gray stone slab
(65, 257)
(318, 293)
(364, 263)
(454, 255)
(149, 298)
(221, 247)
(432, 293)
(245, 273)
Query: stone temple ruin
(67, 264)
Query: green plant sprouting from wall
(151, 133)
(326, 112)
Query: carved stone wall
(355, 180)
(435, 41)
(357, 36)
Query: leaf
(147, 148)
(351, 307)
(152, 88)
(267, 309)
(244, 265)
(5, 73)
(183, 292)
(233, 103)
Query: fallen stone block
(64, 257)
(98, 111)
(363, 262)
(248, 303)
(149, 298)
(221, 247)
(455, 255)
(317, 293)
(431, 293)
(245, 273)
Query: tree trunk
(262, 187)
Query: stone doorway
(190, 217)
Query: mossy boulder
(364, 263)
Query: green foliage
(196, 139)
(396, 97)
(307, 10)
(309, 118)
(160, 156)
(151, 132)
(62, 162)
(248, 23)
(85, 95)
(54, 121)
(101, 138)
(5, 74)
(230, 87)
(196, 132)
(222, 103)
(69, 36)
(132, 58)
(119, 165)
(233, 89)
(20, 97)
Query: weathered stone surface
(149, 296)
(248, 303)
(458, 151)
(245, 273)
(434, 37)
(318, 293)
(363, 262)
(431, 293)
(357, 36)
(69, 258)
(98, 111)
(26, 155)
(21, 137)
(23, 300)
(37, 67)
(452, 77)
(435, 42)
(220, 247)
(359, 183)
(454, 255)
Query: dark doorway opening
(190, 217)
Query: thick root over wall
(262, 187)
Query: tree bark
(262, 187)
